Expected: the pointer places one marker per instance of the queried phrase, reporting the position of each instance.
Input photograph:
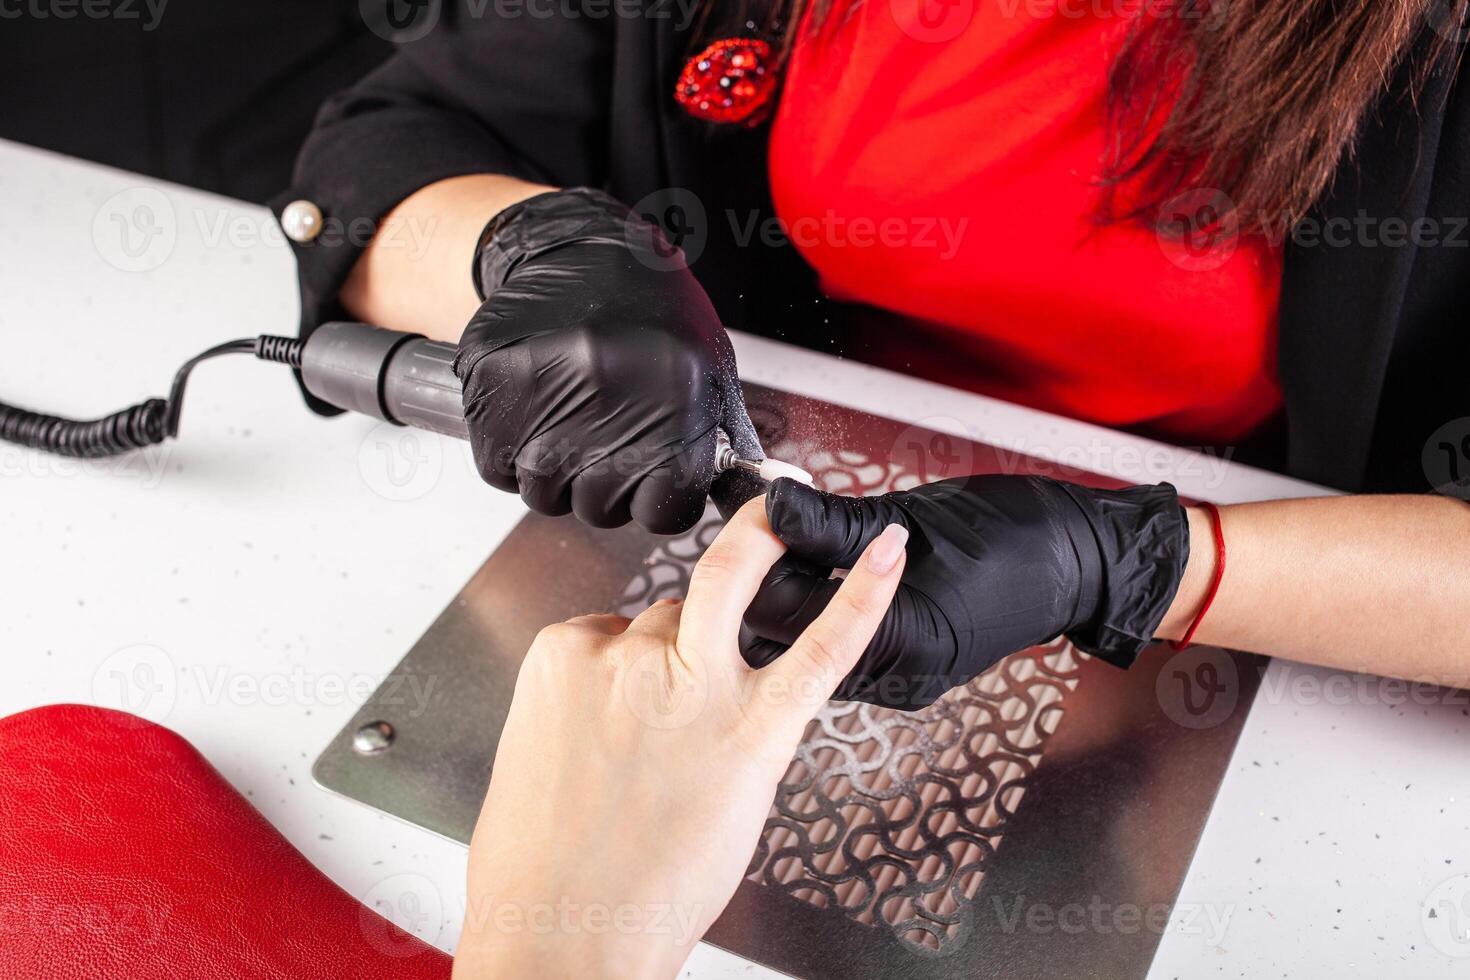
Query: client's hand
(639, 761)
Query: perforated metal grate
(899, 847)
(895, 817)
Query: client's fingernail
(886, 549)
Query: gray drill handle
(408, 379)
(402, 378)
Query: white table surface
(249, 583)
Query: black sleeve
(524, 95)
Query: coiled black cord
(146, 424)
(132, 428)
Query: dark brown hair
(1255, 101)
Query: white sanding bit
(766, 469)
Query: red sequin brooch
(731, 81)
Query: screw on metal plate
(373, 738)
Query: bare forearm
(1378, 584)
(415, 276)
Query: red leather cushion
(123, 853)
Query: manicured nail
(883, 555)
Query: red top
(952, 182)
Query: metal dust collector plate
(1036, 822)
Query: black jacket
(1373, 332)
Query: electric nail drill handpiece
(409, 380)
(402, 378)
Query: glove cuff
(1142, 537)
(549, 220)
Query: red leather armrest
(123, 853)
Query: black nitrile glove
(995, 564)
(597, 372)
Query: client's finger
(726, 578)
(659, 619)
(909, 662)
(792, 595)
(790, 690)
(601, 623)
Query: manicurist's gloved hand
(597, 372)
(995, 564)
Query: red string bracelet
(1199, 617)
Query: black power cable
(145, 424)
